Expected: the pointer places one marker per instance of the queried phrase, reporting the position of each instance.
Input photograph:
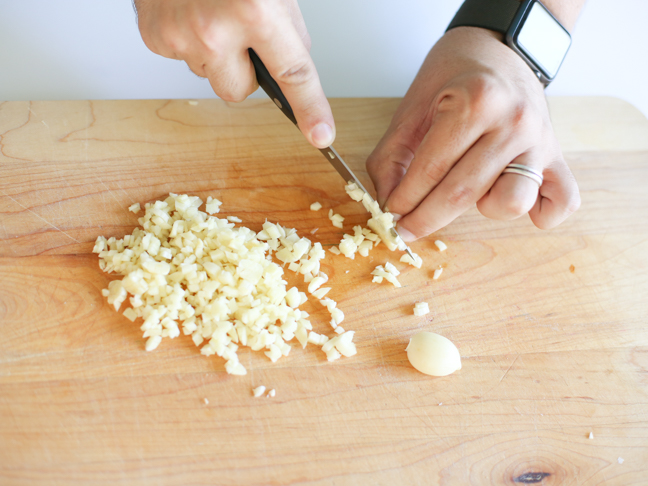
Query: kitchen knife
(270, 86)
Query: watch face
(543, 40)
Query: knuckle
(211, 36)
(475, 97)
(392, 162)
(485, 93)
(573, 202)
(232, 97)
(251, 13)
(461, 197)
(173, 41)
(455, 100)
(231, 93)
(306, 39)
(210, 33)
(545, 223)
(520, 118)
(235, 90)
(299, 73)
(433, 173)
(393, 153)
(513, 208)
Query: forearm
(566, 11)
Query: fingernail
(396, 216)
(322, 135)
(407, 236)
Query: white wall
(91, 49)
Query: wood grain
(549, 354)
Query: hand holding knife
(270, 86)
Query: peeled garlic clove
(433, 354)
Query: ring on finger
(525, 171)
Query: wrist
(474, 31)
(528, 27)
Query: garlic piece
(417, 262)
(336, 219)
(380, 272)
(354, 191)
(321, 292)
(433, 354)
(212, 206)
(421, 309)
(316, 206)
(153, 342)
(258, 391)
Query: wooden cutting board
(551, 325)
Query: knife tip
(407, 248)
(409, 252)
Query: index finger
(288, 61)
(464, 185)
(459, 121)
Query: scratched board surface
(551, 325)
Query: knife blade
(272, 89)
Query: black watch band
(494, 15)
(528, 27)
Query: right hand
(213, 37)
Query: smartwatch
(529, 29)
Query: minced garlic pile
(187, 269)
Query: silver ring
(523, 170)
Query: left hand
(473, 108)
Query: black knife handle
(270, 86)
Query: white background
(91, 49)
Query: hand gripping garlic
(433, 354)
